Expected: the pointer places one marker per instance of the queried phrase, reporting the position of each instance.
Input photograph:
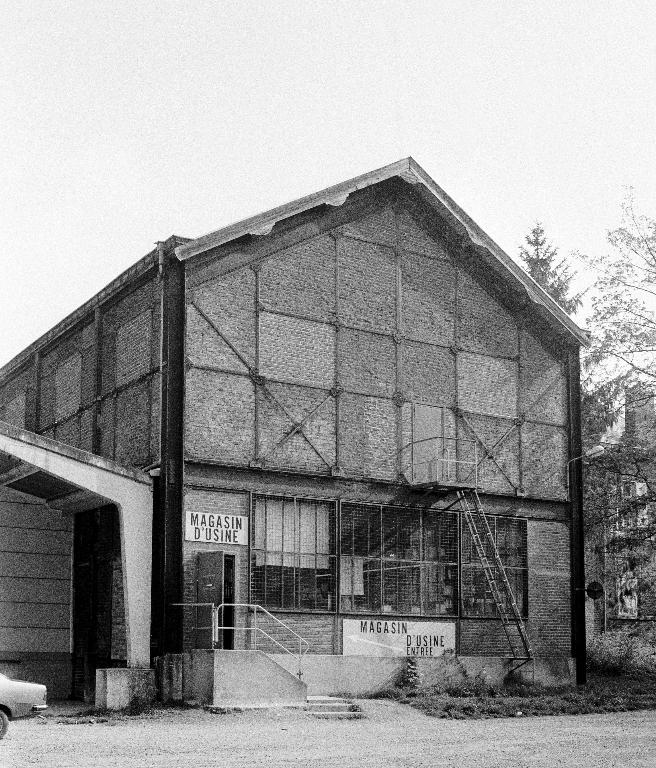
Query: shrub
(621, 652)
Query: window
(510, 538)
(393, 560)
(398, 561)
(293, 554)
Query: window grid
(397, 560)
(293, 564)
(392, 560)
(510, 536)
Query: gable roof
(410, 171)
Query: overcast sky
(125, 122)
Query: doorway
(215, 584)
(96, 545)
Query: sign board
(216, 529)
(385, 637)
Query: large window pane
(360, 584)
(402, 576)
(293, 562)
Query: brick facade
(312, 360)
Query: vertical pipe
(96, 435)
(36, 386)
(337, 359)
(575, 470)
(172, 474)
(256, 391)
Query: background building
(307, 388)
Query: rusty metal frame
(488, 453)
(260, 383)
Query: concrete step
(333, 708)
(338, 715)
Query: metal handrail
(303, 645)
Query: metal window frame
(474, 564)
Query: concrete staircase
(333, 708)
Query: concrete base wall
(367, 675)
(239, 678)
(252, 678)
(122, 688)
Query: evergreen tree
(548, 271)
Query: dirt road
(391, 735)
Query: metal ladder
(495, 574)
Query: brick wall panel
(206, 347)
(487, 384)
(229, 301)
(86, 430)
(219, 416)
(483, 324)
(68, 432)
(428, 303)
(301, 279)
(543, 383)
(17, 398)
(544, 458)
(414, 237)
(378, 227)
(297, 351)
(68, 386)
(367, 435)
(133, 426)
(106, 425)
(487, 432)
(133, 348)
(367, 363)
(428, 374)
(13, 411)
(483, 637)
(317, 629)
(274, 423)
(549, 587)
(118, 641)
(367, 285)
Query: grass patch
(601, 694)
(622, 677)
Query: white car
(19, 699)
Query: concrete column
(136, 557)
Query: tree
(623, 321)
(620, 379)
(551, 273)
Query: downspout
(576, 507)
(171, 469)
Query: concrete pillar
(136, 555)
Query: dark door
(229, 597)
(209, 589)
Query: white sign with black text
(216, 529)
(386, 637)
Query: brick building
(307, 389)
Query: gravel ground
(390, 735)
